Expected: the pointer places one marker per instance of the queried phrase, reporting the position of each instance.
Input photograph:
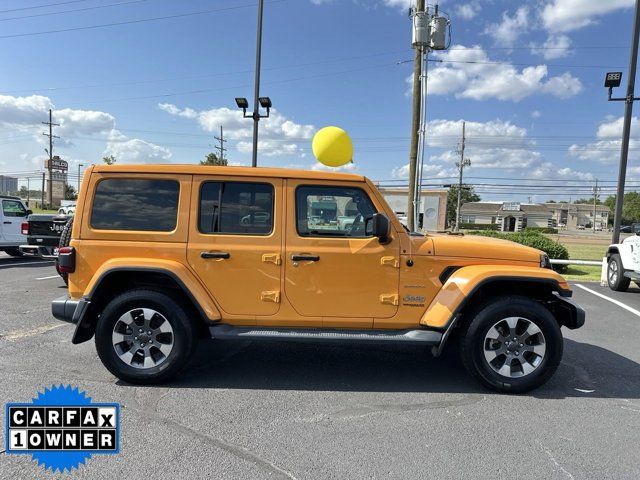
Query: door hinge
(272, 258)
(389, 299)
(390, 261)
(273, 296)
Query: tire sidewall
(183, 335)
(514, 307)
(621, 279)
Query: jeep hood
(475, 246)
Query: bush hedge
(541, 229)
(478, 226)
(535, 239)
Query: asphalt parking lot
(255, 410)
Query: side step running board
(228, 332)
(633, 276)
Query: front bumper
(40, 251)
(571, 314)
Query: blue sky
(526, 76)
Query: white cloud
(27, 113)
(567, 15)
(430, 170)
(278, 134)
(556, 46)
(536, 114)
(468, 11)
(405, 4)
(493, 144)
(134, 150)
(468, 72)
(509, 29)
(607, 149)
(349, 167)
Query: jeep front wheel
(513, 344)
(615, 274)
(144, 336)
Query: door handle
(208, 255)
(7, 223)
(299, 257)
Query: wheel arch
(117, 280)
(470, 287)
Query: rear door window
(236, 208)
(135, 204)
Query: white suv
(13, 212)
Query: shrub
(478, 226)
(541, 229)
(535, 239)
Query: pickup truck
(42, 233)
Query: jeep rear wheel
(615, 274)
(513, 344)
(144, 336)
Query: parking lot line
(48, 278)
(612, 300)
(20, 264)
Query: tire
(14, 252)
(615, 274)
(129, 305)
(65, 239)
(528, 368)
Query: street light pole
(626, 132)
(256, 111)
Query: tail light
(67, 259)
(25, 228)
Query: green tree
(213, 159)
(109, 160)
(588, 201)
(468, 195)
(70, 192)
(630, 207)
(23, 192)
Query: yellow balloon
(332, 147)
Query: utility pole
(222, 141)
(464, 162)
(50, 152)
(626, 132)
(595, 203)
(415, 121)
(28, 190)
(42, 192)
(79, 165)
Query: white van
(13, 213)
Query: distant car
(626, 229)
(580, 227)
(69, 211)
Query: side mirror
(378, 226)
(29, 212)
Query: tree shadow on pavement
(586, 371)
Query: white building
(509, 216)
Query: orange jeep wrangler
(163, 255)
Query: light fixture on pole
(79, 178)
(258, 101)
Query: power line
(131, 22)
(84, 9)
(42, 6)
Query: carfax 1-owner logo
(62, 427)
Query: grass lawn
(584, 251)
(40, 210)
